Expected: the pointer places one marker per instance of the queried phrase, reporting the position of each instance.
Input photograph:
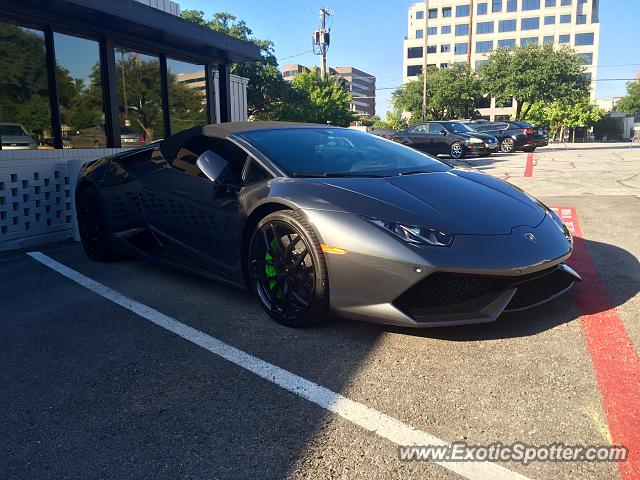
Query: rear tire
(287, 270)
(507, 145)
(456, 150)
(94, 226)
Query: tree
(268, 91)
(534, 73)
(318, 101)
(561, 114)
(393, 120)
(451, 93)
(630, 103)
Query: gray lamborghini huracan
(316, 218)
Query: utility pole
(321, 39)
(424, 61)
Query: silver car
(15, 137)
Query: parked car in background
(514, 136)
(447, 137)
(95, 137)
(15, 137)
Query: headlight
(558, 221)
(474, 140)
(414, 234)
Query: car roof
(171, 145)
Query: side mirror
(443, 132)
(212, 165)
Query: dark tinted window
(13, 130)
(338, 151)
(254, 173)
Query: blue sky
(368, 34)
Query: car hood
(482, 136)
(455, 201)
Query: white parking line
(368, 418)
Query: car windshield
(15, 130)
(338, 152)
(457, 127)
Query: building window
(479, 63)
(484, 47)
(484, 27)
(549, 3)
(564, 38)
(432, 49)
(462, 29)
(565, 18)
(530, 23)
(414, 52)
(507, 43)
(548, 39)
(187, 101)
(433, 13)
(530, 4)
(482, 9)
(512, 5)
(414, 70)
(444, 65)
(139, 97)
(549, 19)
(496, 6)
(445, 29)
(507, 26)
(528, 40)
(564, 3)
(581, 19)
(420, 33)
(587, 58)
(446, 11)
(446, 48)
(432, 30)
(24, 93)
(584, 39)
(461, 49)
(419, 15)
(462, 11)
(80, 92)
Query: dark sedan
(453, 138)
(514, 136)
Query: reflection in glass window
(139, 97)
(25, 116)
(80, 92)
(584, 39)
(187, 95)
(507, 43)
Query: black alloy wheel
(456, 150)
(287, 270)
(93, 227)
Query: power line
(296, 55)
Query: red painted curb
(528, 169)
(616, 362)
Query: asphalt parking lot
(124, 378)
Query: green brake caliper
(272, 270)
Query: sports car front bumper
(384, 280)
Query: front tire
(287, 270)
(507, 145)
(94, 227)
(456, 150)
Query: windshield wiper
(336, 175)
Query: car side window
(502, 126)
(485, 127)
(255, 173)
(419, 129)
(193, 147)
(435, 129)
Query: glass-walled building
(96, 74)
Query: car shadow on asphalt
(618, 272)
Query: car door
(192, 217)
(438, 138)
(418, 137)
